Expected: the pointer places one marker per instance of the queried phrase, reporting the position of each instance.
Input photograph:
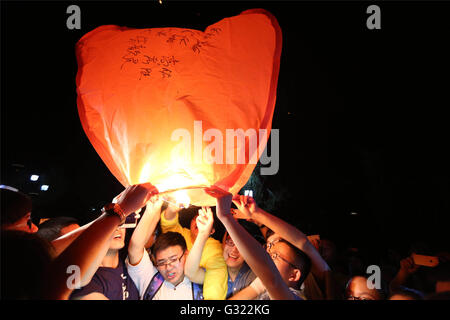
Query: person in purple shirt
(111, 280)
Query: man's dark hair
(251, 228)
(301, 261)
(14, 206)
(269, 233)
(168, 239)
(185, 217)
(51, 229)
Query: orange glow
(150, 100)
(182, 199)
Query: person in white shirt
(164, 280)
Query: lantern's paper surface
(156, 103)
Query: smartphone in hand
(427, 261)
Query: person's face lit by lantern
(118, 241)
(231, 254)
(274, 238)
(283, 257)
(170, 263)
(357, 289)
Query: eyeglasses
(268, 246)
(358, 298)
(229, 242)
(276, 255)
(170, 262)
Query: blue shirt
(243, 280)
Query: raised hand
(246, 207)
(155, 204)
(223, 199)
(205, 220)
(408, 266)
(135, 197)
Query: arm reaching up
(86, 248)
(248, 209)
(255, 256)
(144, 231)
(172, 209)
(192, 268)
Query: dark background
(361, 113)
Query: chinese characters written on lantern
(150, 65)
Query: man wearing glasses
(293, 265)
(215, 276)
(164, 278)
(357, 289)
(293, 246)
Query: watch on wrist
(115, 210)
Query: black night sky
(362, 113)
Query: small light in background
(354, 213)
(2, 186)
(44, 187)
(248, 193)
(34, 177)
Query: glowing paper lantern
(156, 104)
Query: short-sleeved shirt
(113, 283)
(143, 273)
(243, 280)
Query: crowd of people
(259, 257)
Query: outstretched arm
(61, 243)
(169, 219)
(192, 268)
(172, 209)
(254, 255)
(144, 231)
(247, 209)
(88, 246)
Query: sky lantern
(182, 109)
